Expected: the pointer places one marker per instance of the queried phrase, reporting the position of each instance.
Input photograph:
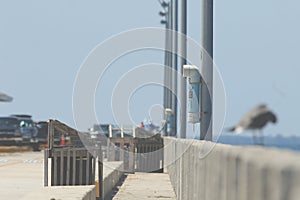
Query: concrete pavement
(21, 173)
(150, 186)
(86, 192)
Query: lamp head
(164, 4)
(163, 22)
(162, 13)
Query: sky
(44, 43)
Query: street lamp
(164, 4)
(163, 21)
(162, 13)
(170, 14)
(167, 98)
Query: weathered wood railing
(72, 163)
(141, 151)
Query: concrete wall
(112, 172)
(208, 171)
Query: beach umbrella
(5, 97)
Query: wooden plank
(143, 147)
(50, 134)
(55, 170)
(94, 168)
(68, 167)
(148, 161)
(161, 156)
(74, 167)
(146, 157)
(121, 150)
(80, 170)
(61, 168)
(138, 157)
(151, 157)
(133, 159)
(46, 155)
(100, 177)
(156, 162)
(87, 174)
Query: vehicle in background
(18, 130)
(42, 135)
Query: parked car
(18, 129)
(42, 135)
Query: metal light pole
(167, 13)
(165, 100)
(170, 53)
(175, 64)
(171, 61)
(182, 63)
(207, 71)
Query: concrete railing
(208, 171)
(112, 173)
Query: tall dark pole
(167, 13)
(166, 64)
(175, 64)
(170, 48)
(168, 61)
(171, 59)
(207, 71)
(183, 62)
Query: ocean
(278, 141)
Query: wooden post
(46, 155)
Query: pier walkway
(148, 186)
(195, 170)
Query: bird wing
(261, 120)
(251, 118)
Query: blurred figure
(255, 120)
(150, 126)
(142, 125)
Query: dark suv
(17, 129)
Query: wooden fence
(141, 152)
(73, 163)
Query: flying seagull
(5, 97)
(255, 120)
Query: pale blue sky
(43, 44)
